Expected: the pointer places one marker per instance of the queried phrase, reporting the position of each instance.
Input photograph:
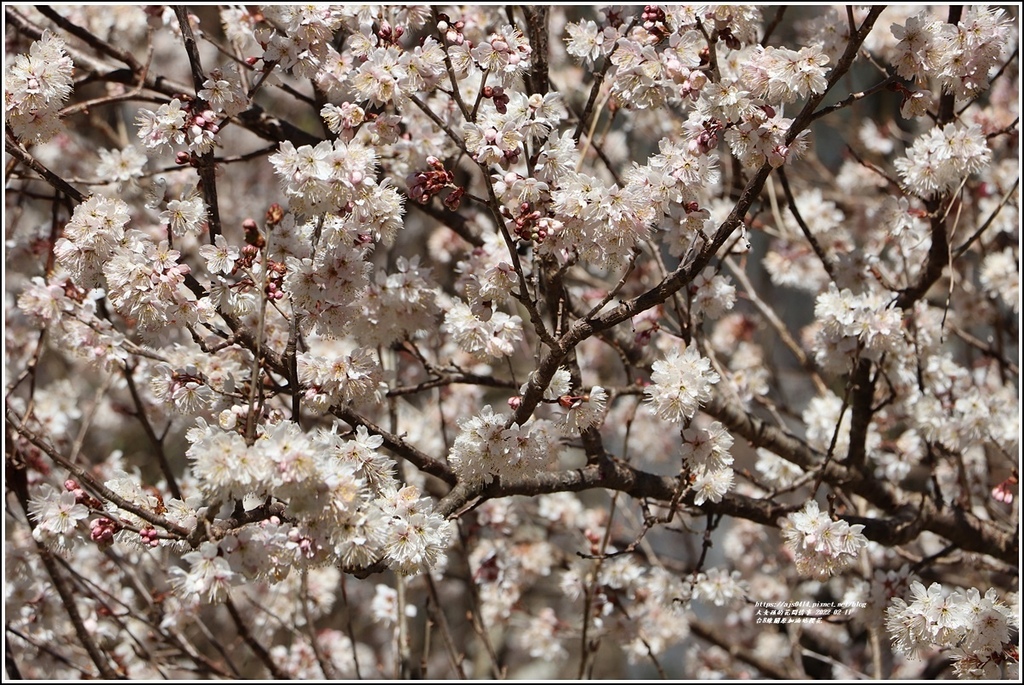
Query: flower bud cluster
(761, 137)
(651, 17)
(389, 34)
(182, 121)
(103, 529)
(497, 94)
(343, 118)
(452, 30)
(81, 496)
(424, 185)
(506, 53)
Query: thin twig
(811, 239)
(259, 650)
(855, 97)
(15, 149)
(326, 665)
(959, 251)
(776, 323)
(19, 483)
(206, 164)
(43, 646)
(348, 626)
(91, 39)
(86, 479)
(436, 610)
(456, 95)
(734, 650)
(154, 439)
(774, 24)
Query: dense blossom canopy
(369, 341)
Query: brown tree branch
(206, 164)
(87, 480)
(19, 483)
(259, 650)
(727, 643)
(15, 149)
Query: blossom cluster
(939, 160)
(960, 56)
(706, 453)
(821, 546)
(144, 281)
(342, 503)
(680, 383)
(852, 325)
(36, 85)
(486, 448)
(340, 179)
(976, 628)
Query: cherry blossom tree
(511, 341)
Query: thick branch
(537, 33)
